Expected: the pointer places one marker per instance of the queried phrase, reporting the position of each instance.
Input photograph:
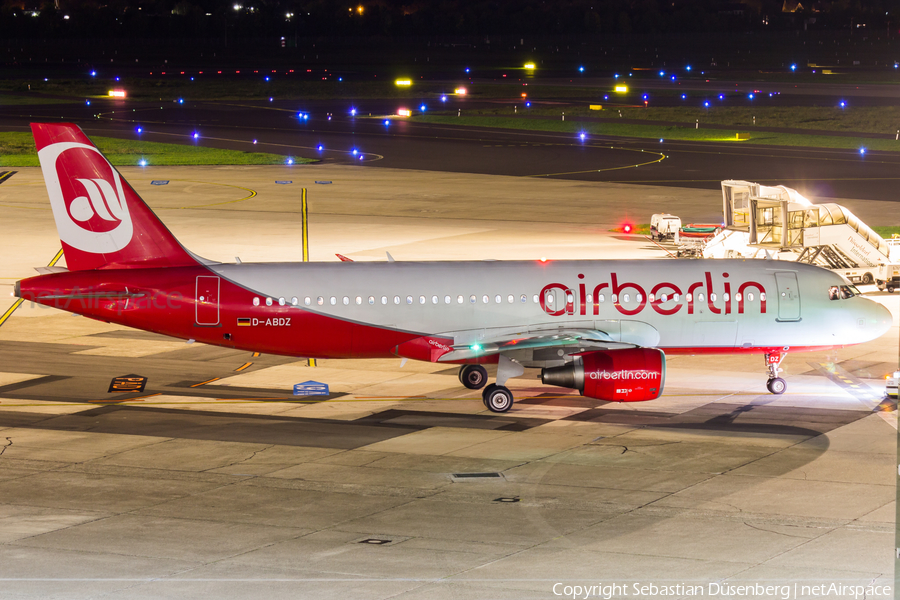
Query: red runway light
(627, 228)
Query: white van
(664, 226)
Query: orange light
(404, 112)
(524, 95)
(116, 93)
(460, 91)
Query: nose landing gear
(775, 384)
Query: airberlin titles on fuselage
(664, 297)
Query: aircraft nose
(880, 319)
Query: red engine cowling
(629, 375)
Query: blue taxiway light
(387, 122)
(706, 104)
(862, 150)
(422, 108)
(88, 102)
(354, 152)
(750, 96)
(196, 135)
(254, 142)
(142, 162)
(93, 73)
(320, 147)
(443, 98)
(581, 69)
(684, 96)
(352, 112)
(290, 161)
(140, 130)
(687, 68)
(793, 67)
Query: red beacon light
(627, 228)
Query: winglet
(390, 258)
(344, 258)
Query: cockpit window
(848, 291)
(833, 293)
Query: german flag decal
(243, 322)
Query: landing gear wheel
(867, 278)
(497, 398)
(776, 386)
(473, 376)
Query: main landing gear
(776, 384)
(473, 376)
(496, 396)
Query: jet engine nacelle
(629, 375)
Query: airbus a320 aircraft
(602, 327)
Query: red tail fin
(101, 220)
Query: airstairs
(765, 220)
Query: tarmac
(218, 482)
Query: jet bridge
(760, 218)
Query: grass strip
(868, 119)
(17, 150)
(659, 132)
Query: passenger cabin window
(346, 300)
(358, 300)
(460, 299)
(601, 298)
(473, 299)
(268, 302)
(511, 299)
(333, 300)
(434, 300)
(294, 301)
(421, 299)
(371, 300)
(409, 299)
(384, 299)
(307, 301)
(281, 302)
(396, 299)
(712, 297)
(320, 300)
(699, 297)
(536, 299)
(447, 299)
(485, 299)
(498, 299)
(256, 302)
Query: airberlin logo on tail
(87, 198)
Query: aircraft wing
(548, 338)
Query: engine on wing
(628, 375)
